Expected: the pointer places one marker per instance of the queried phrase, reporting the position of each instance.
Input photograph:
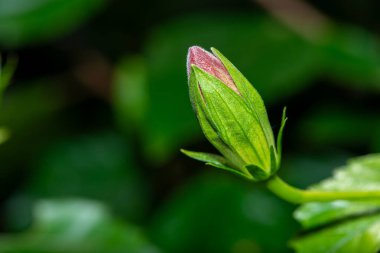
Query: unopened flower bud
(232, 116)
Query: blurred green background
(98, 108)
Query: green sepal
(257, 173)
(250, 95)
(208, 128)
(216, 161)
(273, 161)
(279, 137)
(234, 121)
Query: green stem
(298, 196)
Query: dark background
(98, 109)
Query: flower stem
(299, 196)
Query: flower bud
(232, 116)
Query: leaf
(339, 125)
(102, 163)
(25, 22)
(360, 235)
(6, 73)
(351, 223)
(230, 216)
(4, 135)
(77, 226)
(130, 95)
(352, 55)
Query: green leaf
(361, 173)
(216, 161)
(230, 216)
(6, 73)
(76, 226)
(339, 125)
(29, 21)
(4, 135)
(130, 95)
(103, 163)
(360, 235)
(348, 231)
(352, 55)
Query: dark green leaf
(353, 55)
(6, 73)
(76, 226)
(130, 93)
(28, 21)
(217, 213)
(4, 135)
(333, 125)
(95, 166)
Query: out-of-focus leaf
(376, 141)
(359, 174)
(274, 59)
(220, 214)
(29, 21)
(99, 167)
(6, 74)
(4, 135)
(77, 226)
(336, 125)
(130, 92)
(353, 55)
(46, 96)
(28, 110)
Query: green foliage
(48, 104)
(278, 62)
(220, 214)
(24, 22)
(4, 135)
(353, 225)
(98, 166)
(77, 226)
(352, 55)
(333, 124)
(130, 93)
(359, 235)
(6, 73)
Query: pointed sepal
(279, 137)
(216, 161)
